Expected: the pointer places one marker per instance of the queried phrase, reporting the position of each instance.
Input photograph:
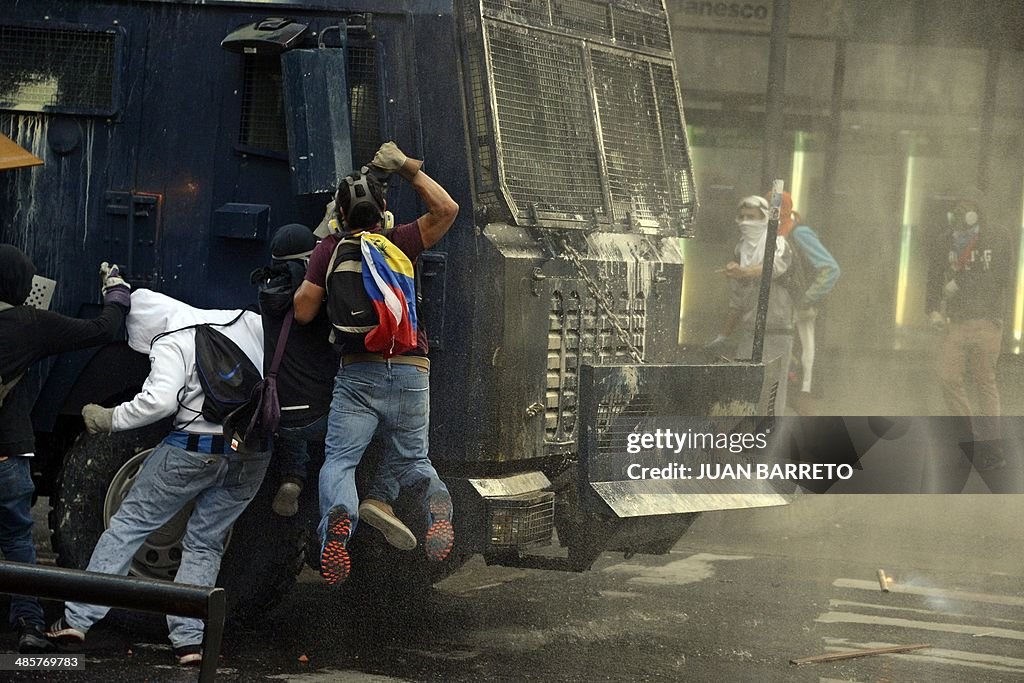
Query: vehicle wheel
(264, 551)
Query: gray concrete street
(742, 594)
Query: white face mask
(752, 229)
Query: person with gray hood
(28, 335)
(195, 462)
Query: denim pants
(391, 398)
(291, 445)
(222, 486)
(16, 491)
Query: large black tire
(264, 552)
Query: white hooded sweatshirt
(172, 360)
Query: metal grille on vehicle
(523, 521)
(617, 417)
(633, 25)
(61, 70)
(362, 96)
(547, 141)
(262, 125)
(546, 91)
(631, 127)
(580, 332)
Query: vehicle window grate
(59, 70)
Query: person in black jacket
(305, 381)
(970, 269)
(27, 335)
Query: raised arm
(441, 208)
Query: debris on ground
(835, 656)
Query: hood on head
(16, 272)
(153, 313)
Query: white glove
(113, 287)
(936, 320)
(391, 159)
(110, 276)
(98, 419)
(950, 289)
(805, 315)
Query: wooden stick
(835, 656)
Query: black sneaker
(32, 640)
(335, 562)
(61, 633)
(189, 655)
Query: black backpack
(232, 384)
(349, 308)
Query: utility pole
(775, 96)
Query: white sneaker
(60, 632)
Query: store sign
(749, 16)
(806, 17)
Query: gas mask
(962, 221)
(359, 196)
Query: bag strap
(282, 341)
(197, 326)
(965, 254)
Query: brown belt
(418, 361)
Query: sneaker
(440, 535)
(32, 640)
(381, 517)
(335, 563)
(61, 633)
(189, 655)
(286, 502)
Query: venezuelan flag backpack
(371, 295)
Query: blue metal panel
(242, 221)
(318, 118)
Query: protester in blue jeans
(374, 395)
(27, 335)
(194, 462)
(305, 374)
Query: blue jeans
(291, 446)
(367, 396)
(222, 486)
(16, 491)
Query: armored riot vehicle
(177, 134)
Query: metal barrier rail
(128, 592)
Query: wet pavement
(740, 595)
